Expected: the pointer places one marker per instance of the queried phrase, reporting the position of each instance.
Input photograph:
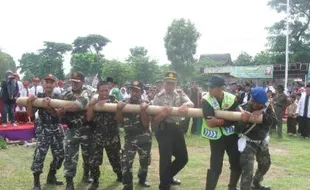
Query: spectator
(36, 88)
(303, 110)
(10, 92)
(21, 114)
(291, 116)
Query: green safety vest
(215, 133)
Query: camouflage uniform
(256, 145)
(105, 136)
(137, 138)
(49, 132)
(78, 133)
(280, 101)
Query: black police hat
(77, 77)
(216, 81)
(137, 84)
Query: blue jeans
(8, 108)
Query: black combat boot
(128, 186)
(233, 181)
(36, 181)
(119, 177)
(51, 178)
(86, 178)
(212, 179)
(144, 183)
(70, 185)
(94, 185)
(259, 186)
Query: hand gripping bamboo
(152, 110)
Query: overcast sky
(226, 26)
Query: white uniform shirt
(301, 106)
(35, 90)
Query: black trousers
(291, 125)
(218, 148)
(171, 142)
(304, 126)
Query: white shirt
(35, 90)
(301, 106)
(245, 99)
(57, 90)
(20, 86)
(23, 93)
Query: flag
(95, 81)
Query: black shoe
(51, 178)
(36, 183)
(94, 185)
(144, 184)
(258, 186)
(175, 181)
(86, 178)
(70, 185)
(119, 178)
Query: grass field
(290, 168)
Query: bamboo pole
(152, 110)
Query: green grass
(289, 170)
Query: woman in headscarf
(10, 92)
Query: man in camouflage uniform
(170, 135)
(78, 133)
(280, 102)
(49, 133)
(105, 135)
(137, 137)
(254, 140)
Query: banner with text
(259, 71)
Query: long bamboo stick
(152, 110)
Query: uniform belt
(250, 140)
(172, 123)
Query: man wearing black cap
(280, 102)
(169, 134)
(138, 137)
(220, 133)
(303, 110)
(254, 140)
(49, 134)
(78, 133)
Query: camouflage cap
(136, 84)
(50, 77)
(171, 76)
(77, 77)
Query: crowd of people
(95, 131)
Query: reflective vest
(215, 133)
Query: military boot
(36, 181)
(259, 186)
(70, 185)
(119, 177)
(128, 186)
(94, 185)
(144, 183)
(212, 178)
(51, 178)
(86, 178)
(233, 181)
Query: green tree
(6, 63)
(144, 68)
(263, 58)
(299, 43)
(30, 65)
(93, 43)
(52, 57)
(244, 59)
(90, 64)
(181, 43)
(121, 72)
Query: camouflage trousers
(141, 144)
(247, 163)
(112, 145)
(53, 139)
(73, 139)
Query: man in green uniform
(105, 135)
(220, 133)
(169, 134)
(138, 137)
(49, 133)
(78, 133)
(254, 140)
(280, 102)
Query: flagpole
(287, 42)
